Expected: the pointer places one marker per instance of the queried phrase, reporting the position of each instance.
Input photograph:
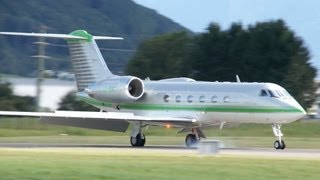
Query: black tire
(277, 145)
(191, 140)
(283, 145)
(143, 140)
(138, 141)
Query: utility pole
(40, 57)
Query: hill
(99, 17)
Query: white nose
(299, 108)
(303, 113)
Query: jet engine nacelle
(117, 89)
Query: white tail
(88, 64)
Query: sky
(303, 17)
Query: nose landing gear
(279, 143)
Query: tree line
(263, 52)
(11, 102)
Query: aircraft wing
(111, 121)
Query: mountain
(122, 18)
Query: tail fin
(88, 64)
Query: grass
(136, 164)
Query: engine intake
(117, 89)
(135, 88)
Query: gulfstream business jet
(177, 102)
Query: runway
(170, 150)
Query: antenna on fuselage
(238, 79)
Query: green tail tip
(82, 33)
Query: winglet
(89, 37)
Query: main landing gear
(279, 143)
(194, 138)
(191, 140)
(137, 138)
(138, 141)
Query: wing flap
(92, 123)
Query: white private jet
(177, 102)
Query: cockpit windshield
(273, 93)
(285, 93)
(277, 93)
(263, 93)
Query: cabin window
(202, 99)
(226, 99)
(178, 98)
(190, 99)
(263, 93)
(166, 98)
(214, 99)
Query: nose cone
(300, 111)
(303, 113)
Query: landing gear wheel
(191, 140)
(138, 141)
(283, 145)
(278, 145)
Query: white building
(52, 91)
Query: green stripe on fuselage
(205, 108)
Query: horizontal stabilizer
(107, 38)
(63, 36)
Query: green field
(138, 164)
